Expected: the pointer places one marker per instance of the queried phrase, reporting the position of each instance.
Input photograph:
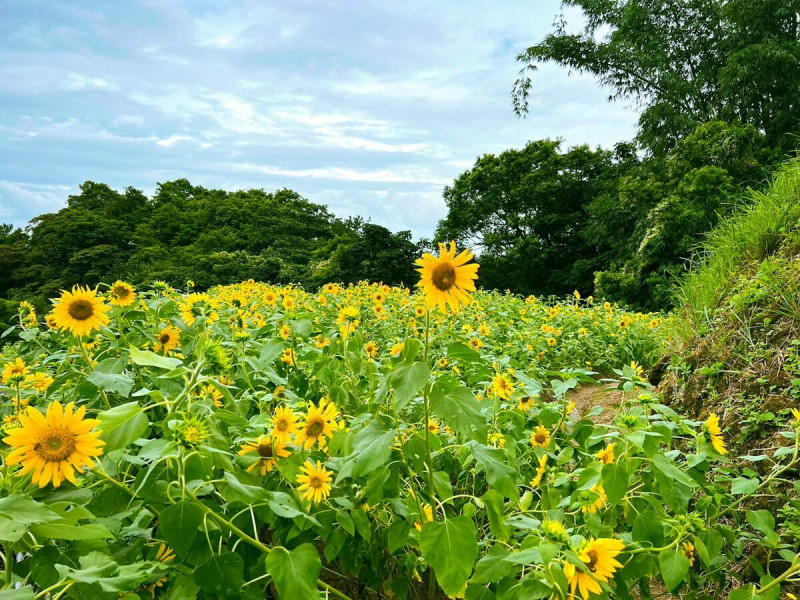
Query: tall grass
(763, 224)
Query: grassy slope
(738, 352)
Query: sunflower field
(253, 441)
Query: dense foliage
(187, 232)
(607, 222)
(262, 439)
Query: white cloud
(174, 139)
(399, 175)
(76, 82)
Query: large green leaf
(112, 382)
(450, 548)
(145, 358)
(372, 447)
(407, 381)
(500, 474)
(221, 575)
(99, 568)
(457, 407)
(122, 425)
(178, 525)
(295, 572)
(23, 593)
(494, 509)
(26, 510)
(616, 479)
(674, 567)
(65, 531)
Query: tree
(684, 62)
(524, 212)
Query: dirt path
(587, 397)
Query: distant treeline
(187, 232)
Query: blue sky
(368, 107)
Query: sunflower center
(444, 276)
(265, 450)
(164, 338)
(315, 482)
(314, 428)
(282, 425)
(55, 444)
(592, 564)
(121, 292)
(80, 310)
(541, 437)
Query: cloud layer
(369, 107)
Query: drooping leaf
(295, 572)
(122, 425)
(450, 547)
(178, 525)
(221, 575)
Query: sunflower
(448, 279)
(426, 515)
(594, 499)
(537, 481)
(15, 371)
(502, 387)
(525, 403)
(168, 339)
(371, 349)
(606, 455)
(397, 349)
(318, 425)
(714, 434)
(476, 343)
(268, 450)
(599, 559)
(540, 437)
(198, 305)
(38, 381)
(80, 311)
(54, 445)
(165, 555)
(315, 481)
(122, 294)
(688, 552)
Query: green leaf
(112, 382)
(746, 592)
(372, 447)
(101, 569)
(743, 485)
(122, 425)
(616, 479)
(459, 351)
(498, 473)
(295, 572)
(179, 523)
(457, 407)
(407, 381)
(11, 531)
(763, 521)
(64, 531)
(23, 593)
(145, 358)
(221, 575)
(674, 567)
(26, 510)
(494, 566)
(450, 548)
(494, 509)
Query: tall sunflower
(319, 424)
(122, 293)
(269, 450)
(55, 445)
(599, 559)
(447, 279)
(168, 339)
(80, 311)
(15, 371)
(315, 481)
(284, 425)
(714, 434)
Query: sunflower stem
(426, 402)
(8, 559)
